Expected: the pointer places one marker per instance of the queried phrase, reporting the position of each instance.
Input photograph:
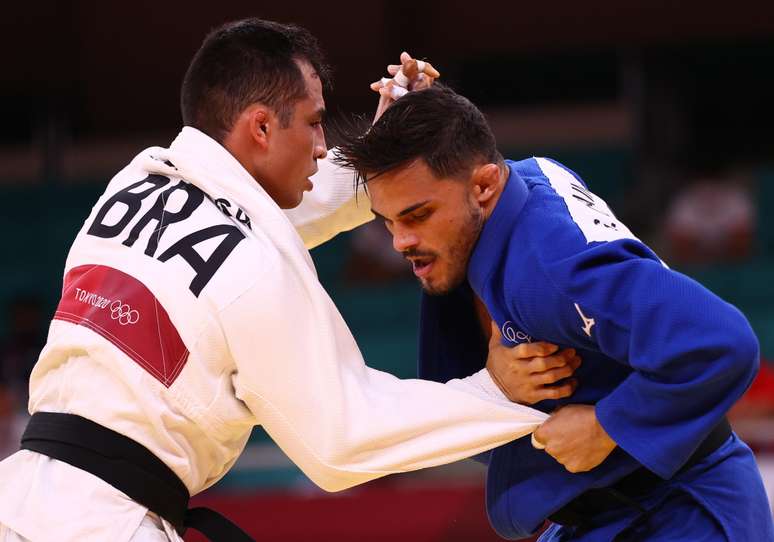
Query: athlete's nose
(403, 240)
(320, 149)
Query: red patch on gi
(122, 310)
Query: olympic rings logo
(513, 335)
(123, 313)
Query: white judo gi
(191, 312)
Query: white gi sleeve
(301, 373)
(331, 207)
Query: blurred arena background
(664, 108)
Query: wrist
(491, 384)
(480, 384)
(603, 435)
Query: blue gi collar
(492, 244)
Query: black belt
(127, 466)
(580, 510)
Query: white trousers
(45, 500)
(150, 530)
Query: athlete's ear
(485, 182)
(259, 120)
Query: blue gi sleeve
(692, 354)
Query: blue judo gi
(663, 360)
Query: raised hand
(409, 75)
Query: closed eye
(421, 215)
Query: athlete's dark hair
(246, 62)
(436, 124)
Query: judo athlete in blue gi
(642, 449)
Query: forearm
(481, 385)
(379, 425)
(683, 383)
(691, 355)
(342, 422)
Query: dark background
(107, 68)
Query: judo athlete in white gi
(191, 312)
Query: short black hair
(245, 62)
(435, 124)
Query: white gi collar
(197, 158)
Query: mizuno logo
(588, 323)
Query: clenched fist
(574, 437)
(528, 373)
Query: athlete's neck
(504, 174)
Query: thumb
(496, 337)
(537, 439)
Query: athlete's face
(295, 149)
(434, 222)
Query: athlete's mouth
(309, 184)
(422, 266)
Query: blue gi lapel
(451, 344)
(492, 245)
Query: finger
(405, 57)
(533, 350)
(392, 69)
(393, 91)
(386, 92)
(402, 79)
(567, 353)
(376, 85)
(421, 81)
(553, 375)
(430, 71)
(557, 392)
(540, 436)
(410, 69)
(575, 363)
(536, 443)
(542, 364)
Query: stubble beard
(459, 254)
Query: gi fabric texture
(663, 358)
(191, 312)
